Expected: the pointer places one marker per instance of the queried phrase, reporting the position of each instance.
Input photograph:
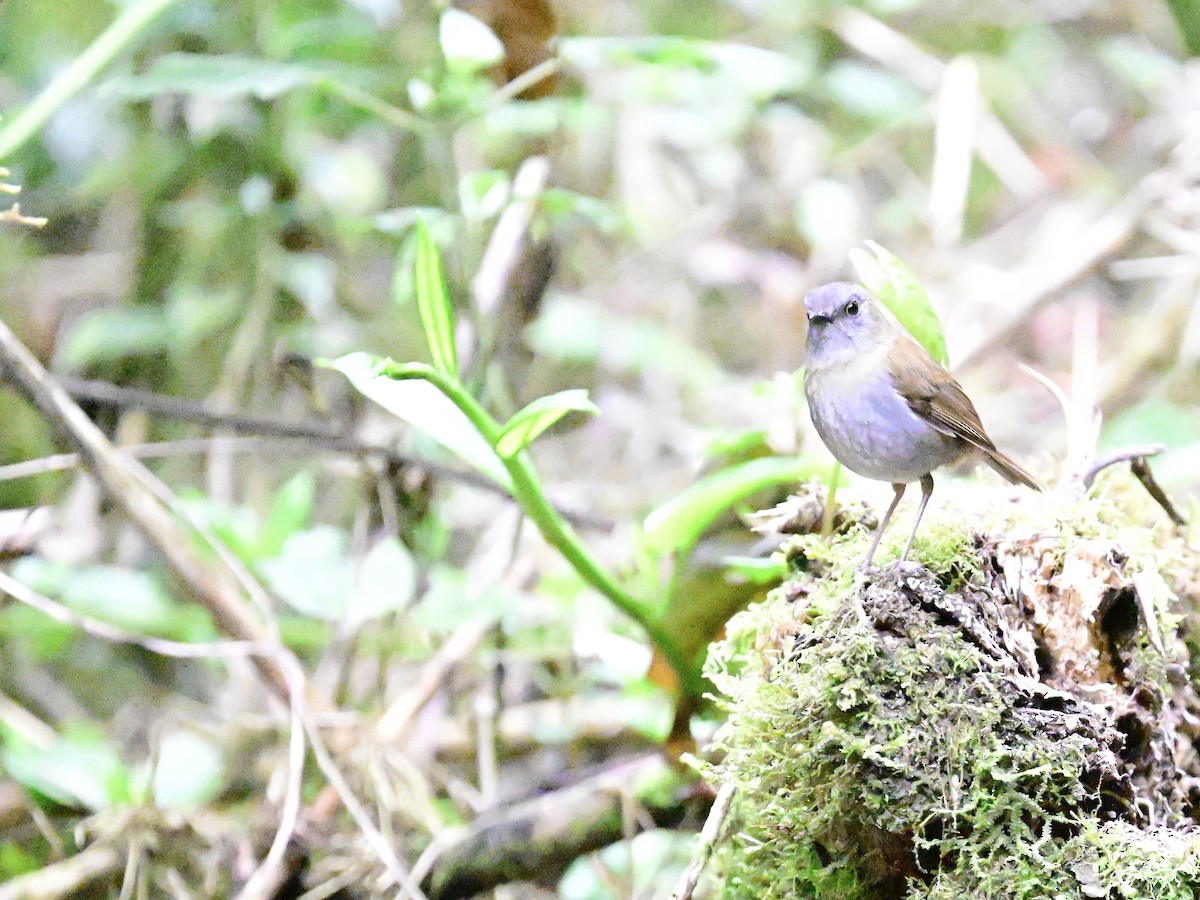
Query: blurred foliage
(235, 190)
(893, 283)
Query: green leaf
(16, 860)
(524, 427)
(433, 303)
(728, 447)
(871, 93)
(226, 75)
(238, 528)
(425, 408)
(675, 526)
(575, 330)
(1187, 20)
(885, 276)
(42, 638)
(757, 569)
(290, 511)
(312, 574)
(81, 768)
(560, 203)
(114, 334)
(316, 577)
(188, 771)
(1140, 64)
(132, 599)
(453, 600)
(386, 581)
(758, 73)
(483, 194)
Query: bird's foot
(869, 569)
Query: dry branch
(319, 434)
(125, 481)
(704, 846)
(539, 838)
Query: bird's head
(843, 319)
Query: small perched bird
(883, 406)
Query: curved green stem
(133, 23)
(527, 491)
(400, 119)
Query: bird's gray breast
(870, 428)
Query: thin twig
(485, 709)
(1119, 456)
(395, 116)
(268, 877)
(704, 845)
(14, 216)
(504, 246)
(396, 718)
(60, 462)
(103, 393)
(547, 68)
(113, 634)
(500, 258)
(124, 481)
(383, 849)
(133, 864)
(1139, 465)
(1141, 470)
(66, 878)
(332, 886)
(20, 722)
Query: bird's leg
(926, 493)
(857, 602)
(899, 489)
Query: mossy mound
(923, 733)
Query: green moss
(853, 753)
(1120, 860)
(881, 747)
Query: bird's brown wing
(932, 393)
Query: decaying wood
(1066, 652)
(1084, 608)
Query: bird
(884, 407)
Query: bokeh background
(233, 196)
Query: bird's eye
(852, 308)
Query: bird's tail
(1010, 470)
